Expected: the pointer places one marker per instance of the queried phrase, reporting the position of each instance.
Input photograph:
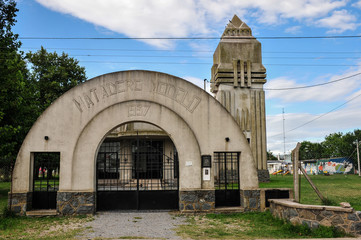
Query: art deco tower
(237, 82)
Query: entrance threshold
(42, 213)
(236, 209)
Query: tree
(25, 94)
(53, 75)
(335, 145)
(309, 150)
(342, 145)
(270, 155)
(15, 92)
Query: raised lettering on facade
(180, 95)
(138, 110)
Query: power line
(309, 52)
(315, 85)
(312, 65)
(186, 38)
(349, 157)
(187, 50)
(193, 56)
(121, 49)
(316, 118)
(209, 63)
(314, 58)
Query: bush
(7, 213)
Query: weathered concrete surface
(77, 122)
(238, 76)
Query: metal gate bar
(45, 179)
(226, 178)
(136, 175)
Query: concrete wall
(78, 121)
(346, 219)
(238, 76)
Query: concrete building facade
(237, 81)
(142, 140)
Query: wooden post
(311, 183)
(296, 177)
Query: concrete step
(42, 213)
(229, 209)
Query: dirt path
(141, 224)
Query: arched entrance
(137, 169)
(74, 126)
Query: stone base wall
(342, 218)
(251, 199)
(74, 203)
(263, 176)
(198, 200)
(20, 202)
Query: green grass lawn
(251, 225)
(337, 188)
(37, 228)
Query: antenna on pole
(284, 135)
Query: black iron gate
(136, 175)
(45, 180)
(226, 178)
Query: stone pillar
(20, 202)
(251, 199)
(197, 200)
(75, 203)
(263, 175)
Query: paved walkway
(144, 224)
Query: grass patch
(250, 225)
(15, 227)
(336, 188)
(41, 228)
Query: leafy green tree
(271, 156)
(15, 92)
(334, 145)
(25, 94)
(309, 150)
(53, 75)
(343, 145)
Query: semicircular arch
(66, 120)
(115, 115)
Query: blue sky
(289, 62)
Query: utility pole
(284, 134)
(358, 157)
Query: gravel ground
(146, 224)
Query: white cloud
(136, 18)
(199, 82)
(331, 92)
(293, 30)
(174, 18)
(348, 117)
(357, 4)
(339, 21)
